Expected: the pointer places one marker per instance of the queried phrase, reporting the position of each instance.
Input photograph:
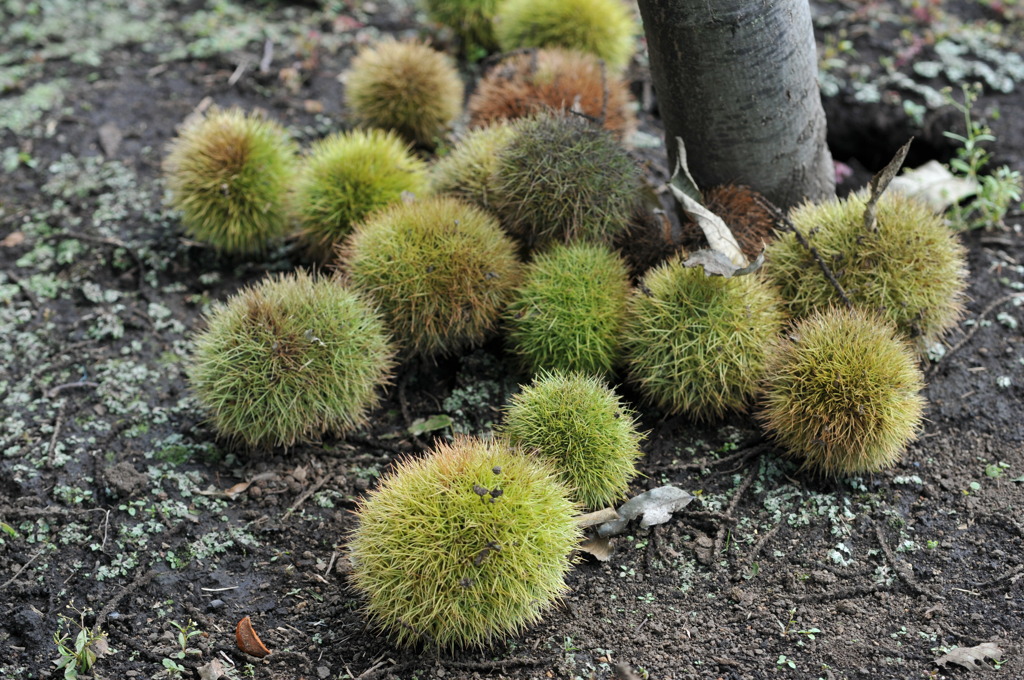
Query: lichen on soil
(117, 499)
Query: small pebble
(215, 604)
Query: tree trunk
(737, 80)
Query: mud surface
(117, 498)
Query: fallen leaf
(651, 507)
(972, 658)
(423, 425)
(716, 231)
(248, 641)
(110, 139)
(13, 239)
(879, 183)
(211, 671)
(934, 184)
(599, 548)
(715, 263)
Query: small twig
(268, 56)
(759, 546)
(404, 405)
(21, 569)
(896, 567)
(373, 442)
(56, 433)
(54, 391)
(106, 526)
(742, 489)
(107, 241)
(746, 451)
(817, 258)
(845, 594)
(142, 580)
(305, 495)
(977, 324)
(29, 295)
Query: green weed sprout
(77, 656)
(468, 171)
(348, 175)
(912, 269)
(404, 86)
(563, 179)
(604, 28)
(469, 543)
(441, 271)
(697, 344)
(842, 393)
(570, 311)
(230, 176)
(997, 191)
(578, 424)
(471, 20)
(289, 359)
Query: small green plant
(911, 269)
(468, 171)
(843, 393)
(605, 28)
(785, 662)
(78, 651)
(579, 425)
(464, 545)
(570, 310)
(561, 178)
(407, 87)
(230, 175)
(186, 632)
(529, 82)
(348, 175)
(697, 344)
(998, 191)
(440, 270)
(290, 358)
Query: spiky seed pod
(289, 359)
(230, 174)
(747, 213)
(563, 179)
(570, 310)
(554, 80)
(697, 344)
(912, 270)
(578, 424)
(468, 171)
(469, 543)
(348, 175)
(441, 271)
(404, 86)
(842, 393)
(471, 20)
(604, 28)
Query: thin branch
(781, 218)
(977, 324)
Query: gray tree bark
(737, 81)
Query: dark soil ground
(116, 499)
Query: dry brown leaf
(211, 671)
(13, 239)
(248, 641)
(972, 658)
(600, 548)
